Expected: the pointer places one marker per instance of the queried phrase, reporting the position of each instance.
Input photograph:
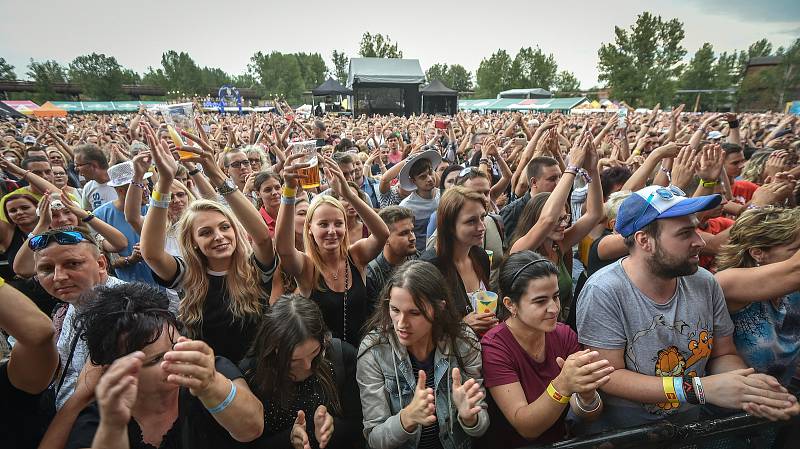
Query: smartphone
(440, 124)
(622, 113)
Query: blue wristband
(159, 204)
(678, 383)
(224, 404)
(288, 201)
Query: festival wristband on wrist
(289, 201)
(159, 204)
(688, 390)
(704, 183)
(2, 281)
(89, 218)
(158, 196)
(194, 172)
(669, 390)
(289, 192)
(677, 384)
(555, 395)
(225, 403)
(698, 390)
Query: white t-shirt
(96, 194)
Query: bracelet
(677, 384)
(596, 403)
(555, 395)
(159, 204)
(688, 390)
(89, 218)
(483, 161)
(138, 184)
(2, 281)
(194, 172)
(572, 169)
(752, 207)
(669, 390)
(698, 390)
(225, 403)
(704, 183)
(289, 192)
(158, 196)
(585, 175)
(289, 201)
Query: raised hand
(712, 159)
(577, 155)
(466, 397)
(323, 426)
(190, 364)
(336, 179)
(421, 411)
(291, 170)
(683, 167)
(141, 163)
(582, 372)
(117, 389)
(159, 150)
(776, 163)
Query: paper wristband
(289, 192)
(158, 196)
(669, 389)
(677, 384)
(2, 281)
(555, 395)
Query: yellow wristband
(289, 192)
(669, 390)
(704, 183)
(556, 396)
(158, 196)
(2, 281)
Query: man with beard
(400, 247)
(664, 325)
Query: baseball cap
(122, 174)
(406, 183)
(715, 135)
(654, 202)
(29, 140)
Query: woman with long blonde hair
(226, 264)
(759, 272)
(331, 270)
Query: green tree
(44, 75)
(312, 69)
(130, 77)
(437, 72)
(279, 75)
(566, 81)
(697, 75)
(759, 48)
(99, 76)
(6, 71)
(213, 78)
(340, 66)
(245, 80)
(182, 73)
(493, 74)
(155, 77)
(532, 68)
(378, 46)
(459, 78)
(643, 63)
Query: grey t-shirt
(672, 339)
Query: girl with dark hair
(305, 379)
(533, 365)
(153, 377)
(459, 256)
(419, 367)
(267, 190)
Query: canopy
(22, 106)
(103, 106)
(437, 89)
(514, 104)
(8, 111)
(331, 87)
(525, 93)
(385, 71)
(49, 110)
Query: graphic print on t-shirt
(685, 358)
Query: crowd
(478, 280)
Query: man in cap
(663, 324)
(417, 176)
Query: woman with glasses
(458, 254)
(758, 272)
(226, 261)
(545, 225)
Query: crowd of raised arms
(476, 280)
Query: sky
(226, 34)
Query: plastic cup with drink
(484, 301)
(180, 117)
(309, 176)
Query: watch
(227, 187)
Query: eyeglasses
(39, 242)
(565, 219)
(665, 193)
(238, 164)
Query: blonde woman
(759, 272)
(331, 270)
(226, 282)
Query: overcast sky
(225, 34)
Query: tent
(49, 110)
(439, 99)
(22, 106)
(385, 85)
(8, 111)
(525, 93)
(330, 87)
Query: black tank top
(344, 316)
(7, 258)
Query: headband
(533, 262)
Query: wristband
(194, 172)
(594, 406)
(704, 183)
(2, 281)
(159, 204)
(138, 184)
(289, 201)
(669, 390)
(585, 175)
(289, 192)
(688, 390)
(225, 403)
(752, 206)
(555, 395)
(677, 384)
(89, 218)
(158, 196)
(698, 390)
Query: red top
(269, 220)
(714, 226)
(743, 191)
(506, 362)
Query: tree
(642, 63)
(6, 71)
(459, 78)
(340, 65)
(181, 73)
(99, 76)
(44, 75)
(245, 80)
(532, 68)
(130, 77)
(759, 48)
(437, 72)
(212, 78)
(566, 81)
(378, 46)
(279, 75)
(155, 77)
(312, 69)
(493, 75)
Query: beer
(176, 139)
(310, 175)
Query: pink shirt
(506, 362)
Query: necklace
(336, 273)
(344, 302)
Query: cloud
(763, 11)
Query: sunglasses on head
(665, 193)
(39, 242)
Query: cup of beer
(310, 175)
(180, 117)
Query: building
(385, 86)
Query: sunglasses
(665, 193)
(39, 242)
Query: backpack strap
(337, 357)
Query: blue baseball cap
(654, 202)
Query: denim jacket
(387, 385)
